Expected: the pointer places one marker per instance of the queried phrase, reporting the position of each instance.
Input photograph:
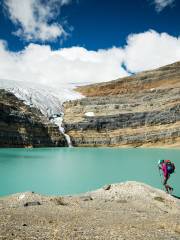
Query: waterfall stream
(68, 139)
(58, 121)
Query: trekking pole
(161, 179)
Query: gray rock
(35, 203)
(107, 187)
(86, 198)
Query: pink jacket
(164, 169)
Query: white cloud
(150, 50)
(67, 67)
(161, 4)
(32, 18)
(64, 67)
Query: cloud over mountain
(151, 50)
(74, 66)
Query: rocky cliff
(140, 110)
(25, 126)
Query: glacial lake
(67, 171)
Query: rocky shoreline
(129, 210)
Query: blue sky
(96, 24)
(103, 25)
(74, 42)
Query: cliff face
(22, 126)
(143, 109)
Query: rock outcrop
(129, 210)
(24, 126)
(140, 110)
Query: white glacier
(48, 100)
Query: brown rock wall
(143, 109)
(22, 126)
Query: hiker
(167, 168)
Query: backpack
(170, 166)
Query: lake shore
(129, 210)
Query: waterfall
(58, 121)
(68, 139)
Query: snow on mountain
(48, 100)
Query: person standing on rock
(167, 168)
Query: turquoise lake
(67, 171)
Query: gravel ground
(129, 210)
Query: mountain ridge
(122, 83)
(139, 110)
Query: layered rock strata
(24, 126)
(141, 110)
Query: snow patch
(89, 114)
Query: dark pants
(166, 179)
(168, 188)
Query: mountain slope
(48, 100)
(161, 78)
(45, 99)
(25, 126)
(140, 110)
